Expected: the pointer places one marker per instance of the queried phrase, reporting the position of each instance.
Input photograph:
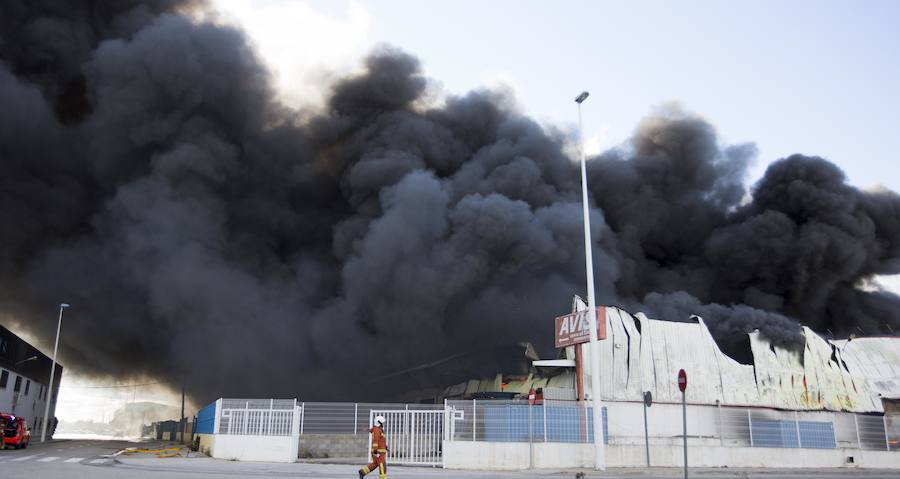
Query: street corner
(160, 452)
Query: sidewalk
(206, 465)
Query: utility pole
(181, 422)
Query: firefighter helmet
(379, 420)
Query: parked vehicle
(15, 431)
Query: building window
(4, 379)
(27, 386)
(18, 385)
(4, 346)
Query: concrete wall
(718, 456)
(516, 456)
(493, 456)
(206, 441)
(254, 448)
(334, 445)
(188, 437)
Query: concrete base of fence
(317, 446)
(206, 441)
(517, 456)
(494, 456)
(254, 448)
(751, 457)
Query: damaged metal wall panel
(667, 347)
(648, 359)
(620, 348)
(634, 383)
(835, 387)
(737, 385)
(876, 359)
(779, 375)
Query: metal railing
(346, 418)
(415, 435)
(571, 422)
(517, 421)
(258, 417)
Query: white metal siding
(811, 379)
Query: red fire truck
(15, 431)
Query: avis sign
(573, 328)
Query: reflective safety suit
(379, 454)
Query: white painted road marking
(48, 459)
(24, 458)
(75, 459)
(98, 461)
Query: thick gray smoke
(205, 233)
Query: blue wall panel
(775, 433)
(206, 420)
(817, 435)
(510, 423)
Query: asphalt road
(89, 459)
(58, 459)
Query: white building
(24, 376)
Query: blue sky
(814, 77)
(817, 77)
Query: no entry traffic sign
(682, 380)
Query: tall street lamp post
(597, 402)
(49, 398)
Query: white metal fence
(623, 423)
(415, 437)
(572, 422)
(346, 418)
(416, 432)
(562, 421)
(258, 417)
(517, 421)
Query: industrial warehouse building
(642, 354)
(828, 395)
(24, 376)
(827, 404)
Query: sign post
(574, 328)
(648, 401)
(682, 385)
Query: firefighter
(379, 451)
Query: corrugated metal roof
(647, 357)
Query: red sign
(573, 328)
(682, 380)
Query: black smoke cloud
(205, 233)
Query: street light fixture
(49, 397)
(597, 402)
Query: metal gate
(414, 437)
